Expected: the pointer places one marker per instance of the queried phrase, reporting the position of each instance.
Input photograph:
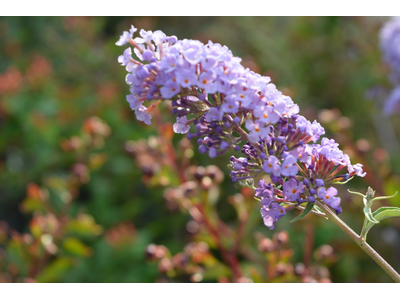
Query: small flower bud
(189, 189)
(214, 173)
(281, 269)
(299, 269)
(180, 261)
(206, 183)
(319, 182)
(155, 252)
(165, 265)
(323, 252)
(281, 237)
(200, 173)
(265, 245)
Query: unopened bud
(280, 269)
(299, 269)
(206, 183)
(199, 173)
(265, 245)
(323, 252)
(214, 173)
(281, 237)
(165, 265)
(189, 189)
(155, 252)
(180, 260)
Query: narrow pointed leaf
(369, 216)
(356, 193)
(318, 211)
(305, 212)
(316, 208)
(380, 214)
(383, 197)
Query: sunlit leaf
(216, 271)
(305, 212)
(54, 270)
(380, 214)
(29, 205)
(75, 246)
(317, 209)
(84, 225)
(96, 160)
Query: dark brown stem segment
(363, 245)
(309, 245)
(228, 257)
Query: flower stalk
(357, 239)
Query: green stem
(363, 245)
(363, 230)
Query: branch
(363, 245)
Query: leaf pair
(380, 214)
(372, 218)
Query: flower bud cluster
(230, 105)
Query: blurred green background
(57, 72)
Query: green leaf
(356, 193)
(386, 212)
(75, 246)
(369, 216)
(317, 209)
(29, 205)
(83, 225)
(305, 212)
(244, 183)
(53, 271)
(383, 197)
(378, 215)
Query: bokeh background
(89, 194)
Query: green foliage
(79, 206)
(378, 215)
(372, 218)
(305, 212)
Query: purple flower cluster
(392, 104)
(210, 89)
(390, 46)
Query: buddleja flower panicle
(210, 89)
